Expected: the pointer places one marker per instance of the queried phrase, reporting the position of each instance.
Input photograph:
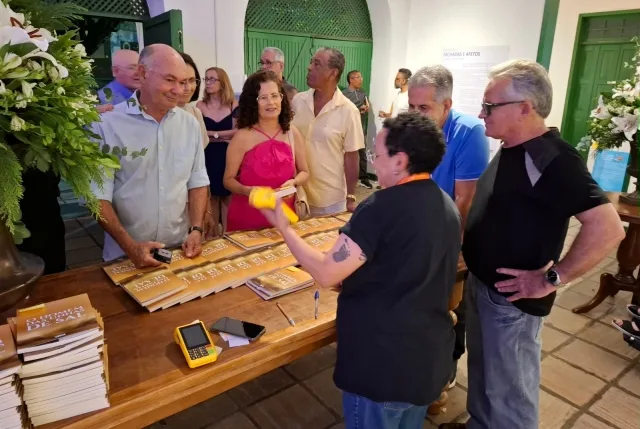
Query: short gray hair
(437, 76)
(336, 59)
(279, 55)
(529, 81)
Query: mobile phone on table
(239, 328)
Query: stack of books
(154, 286)
(11, 409)
(281, 282)
(65, 359)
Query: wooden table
(149, 378)
(628, 257)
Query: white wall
(451, 24)
(563, 43)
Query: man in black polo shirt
(512, 244)
(357, 96)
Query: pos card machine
(196, 344)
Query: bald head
(124, 66)
(163, 74)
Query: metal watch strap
(351, 197)
(196, 228)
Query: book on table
(65, 370)
(11, 404)
(153, 286)
(280, 282)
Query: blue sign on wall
(609, 169)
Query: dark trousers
(363, 175)
(460, 328)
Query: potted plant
(616, 121)
(47, 105)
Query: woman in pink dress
(265, 151)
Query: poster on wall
(470, 68)
(609, 169)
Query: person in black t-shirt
(512, 243)
(397, 261)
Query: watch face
(553, 277)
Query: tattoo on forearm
(363, 257)
(342, 253)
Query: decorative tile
(313, 363)
(631, 380)
(204, 413)
(566, 321)
(261, 387)
(552, 338)
(293, 408)
(592, 359)
(570, 300)
(554, 412)
(236, 421)
(608, 337)
(73, 229)
(618, 408)
(588, 422)
(456, 406)
(323, 387)
(573, 384)
(588, 288)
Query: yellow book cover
(345, 217)
(251, 239)
(281, 282)
(153, 286)
(220, 248)
(123, 269)
(179, 260)
(45, 322)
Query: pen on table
(291, 322)
(316, 297)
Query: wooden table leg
(628, 257)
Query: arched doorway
(299, 27)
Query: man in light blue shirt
(124, 66)
(466, 157)
(144, 205)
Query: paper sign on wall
(470, 68)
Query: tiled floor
(590, 376)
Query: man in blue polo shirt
(466, 157)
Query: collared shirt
(149, 193)
(467, 154)
(119, 93)
(400, 103)
(327, 137)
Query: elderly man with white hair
(273, 59)
(512, 245)
(124, 66)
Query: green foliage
(51, 15)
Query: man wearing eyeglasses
(124, 66)
(273, 59)
(512, 244)
(144, 203)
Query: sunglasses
(487, 108)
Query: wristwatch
(216, 135)
(196, 228)
(553, 277)
(351, 197)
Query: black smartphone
(248, 330)
(162, 255)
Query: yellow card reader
(196, 344)
(265, 198)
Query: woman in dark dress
(218, 108)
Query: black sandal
(634, 311)
(626, 328)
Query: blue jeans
(504, 361)
(363, 413)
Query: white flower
(627, 124)
(21, 104)
(34, 65)
(61, 71)
(627, 92)
(10, 61)
(41, 37)
(602, 111)
(17, 124)
(8, 17)
(60, 90)
(13, 36)
(53, 74)
(3, 90)
(79, 48)
(27, 89)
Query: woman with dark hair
(266, 151)
(218, 105)
(397, 261)
(191, 94)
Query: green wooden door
(165, 28)
(604, 46)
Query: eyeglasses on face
(487, 108)
(267, 63)
(211, 80)
(372, 156)
(275, 98)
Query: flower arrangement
(46, 107)
(616, 119)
